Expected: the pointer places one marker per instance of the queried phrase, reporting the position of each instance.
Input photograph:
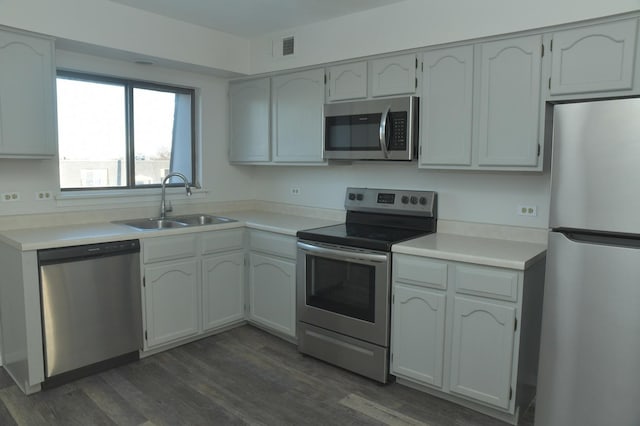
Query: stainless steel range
(344, 277)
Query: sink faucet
(163, 206)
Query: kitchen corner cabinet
(446, 110)
(272, 282)
(509, 102)
(223, 278)
(249, 135)
(347, 81)
(395, 75)
(596, 58)
(466, 332)
(27, 96)
(193, 284)
(296, 116)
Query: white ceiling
(251, 18)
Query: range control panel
(394, 201)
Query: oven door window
(343, 287)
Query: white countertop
(446, 246)
(70, 235)
(483, 251)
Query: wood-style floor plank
(241, 377)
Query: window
(118, 134)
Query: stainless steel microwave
(380, 129)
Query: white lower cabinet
(466, 332)
(222, 289)
(272, 282)
(171, 297)
(482, 350)
(193, 284)
(418, 333)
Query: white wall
(465, 196)
(222, 181)
(115, 26)
(419, 23)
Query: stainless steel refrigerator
(589, 370)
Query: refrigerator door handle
(601, 238)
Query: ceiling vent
(287, 46)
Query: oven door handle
(343, 254)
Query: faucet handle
(168, 207)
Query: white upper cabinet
(509, 101)
(249, 105)
(297, 117)
(348, 81)
(27, 100)
(394, 76)
(446, 107)
(596, 58)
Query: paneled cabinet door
(418, 334)
(509, 103)
(222, 289)
(249, 107)
(394, 76)
(348, 81)
(593, 59)
(171, 301)
(297, 111)
(447, 94)
(27, 101)
(482, 350)
(272, 293)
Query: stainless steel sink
(175, 222)
(153, 223)
(201, 219)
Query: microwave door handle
(383, 131)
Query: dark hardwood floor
(243, 376)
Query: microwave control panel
(398, 140)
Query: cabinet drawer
(216, 241)
(487, 282)
(420, 271)
(268, 242)
(166, 248)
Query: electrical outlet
(43, 195)
(295, 191)
(527, 210)
(10, 196)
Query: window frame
(129, 86)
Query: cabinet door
(222, 289)
(446, 107)
(249, 103)
(27, 102)
(272, 290)
(297, 113)
(394, 76)
(593, 59)
(482, 350)
(509, 102)
(417, 334)
(171, 301)
(347, 81)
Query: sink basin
(201, 219)
(175, 222)
(154, 223)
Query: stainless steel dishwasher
(91, 308)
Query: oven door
(344, 290)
